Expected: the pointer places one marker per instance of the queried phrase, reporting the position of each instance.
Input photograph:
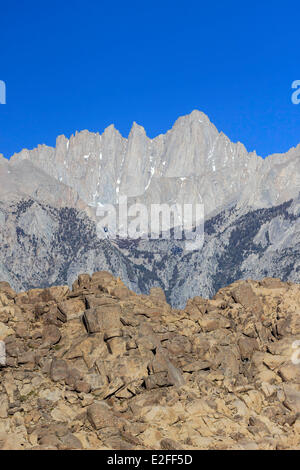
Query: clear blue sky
(73, 65)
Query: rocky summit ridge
(192, 162)
(100, 367)
(48, 199)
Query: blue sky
(83, 65)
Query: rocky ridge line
(192, 163)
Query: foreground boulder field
(100, 367)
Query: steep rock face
(277, 181)
(251, 208)
(100, 367)
(43, 245)
(23, 179)
(103, 167)
(193, 154)
(240, 244)
(237, 244)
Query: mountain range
(49, 196)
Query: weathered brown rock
(71, 308)
(101, 367)
(59, 370)
(101, 416)
(244, 295)
(51, 335)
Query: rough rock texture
(100, 367)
